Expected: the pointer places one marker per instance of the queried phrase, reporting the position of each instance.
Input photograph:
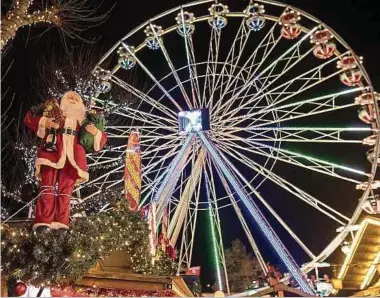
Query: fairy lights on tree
(72, 17)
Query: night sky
(358, 22)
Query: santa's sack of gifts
(85, 138)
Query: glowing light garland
(29, 155)
(311, 128)
(93, 205)
(308, 157)
(4, 213)
(14, 195)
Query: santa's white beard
(73, 111)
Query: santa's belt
(67, 131)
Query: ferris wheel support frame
(259, 218)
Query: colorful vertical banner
(132, 171)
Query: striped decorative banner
(132, 171)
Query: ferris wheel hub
(193, 121)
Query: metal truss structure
(269, 98)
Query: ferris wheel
(247, 106)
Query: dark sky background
(358, 22)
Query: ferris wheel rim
(334, 243)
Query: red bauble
(20, 288)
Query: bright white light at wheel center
(193, 121)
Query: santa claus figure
(60, 169)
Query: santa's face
(72, 106)
(72, 97)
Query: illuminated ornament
(349, 62)
(185, 29)
(218, 22)
(351, 77)
(291, 31)
(370, 141)
(217, 19)
(254, 17)
(372, 205)
(289, 18)
(127, 62)
(4, 213)
(103, 84)
(321, 36)
(185, 25)
(126, 59)
(365, 116)
(255, 23)
(20, 288)
(152, 43)
(325, 50)
(153, 33)
(367, 98)
(363, 186)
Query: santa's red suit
(66, 167)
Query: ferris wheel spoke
(104, 176)
(291, 188)
(296, 55)
(155, 162)
(321, 104)
(245, 183)
(98, 157)
(158, 149)
(297, 134)
(232, 58)
(194, 211)
(310, 79)
(153, 117)
(267, 44)
(211, 65)
(316, 111)
(191, 64)
(171, 66)
(253, 77)
(158, 167)
(126, 114)
(146, 132)
(240, 42)
(145, 98)
(314, 164)
(152, 77)
(240, 216)
(104, 162)
(186, 195)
